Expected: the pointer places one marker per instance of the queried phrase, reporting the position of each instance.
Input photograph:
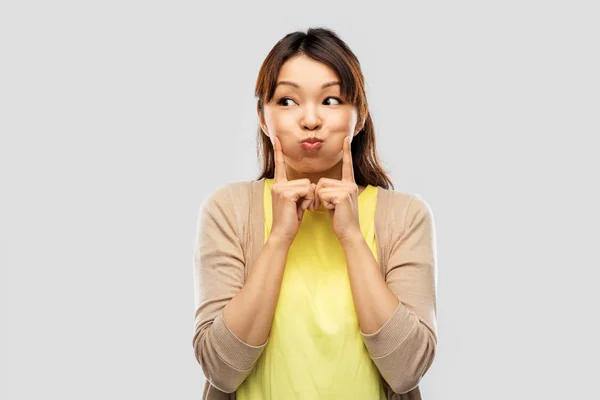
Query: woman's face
(309, 110)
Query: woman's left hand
(340, 198)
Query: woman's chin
(310, 166)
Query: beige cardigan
(229, 237)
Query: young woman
(316, 280)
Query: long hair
(323, 45)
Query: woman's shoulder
(404, 206)
(397, 199)
(232, 195)
(234, 189)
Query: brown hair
(323, 45)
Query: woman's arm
(374, 301)
(249, 314)
(232, 319)
(397, 316)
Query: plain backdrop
(118, 118)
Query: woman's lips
(311, 146)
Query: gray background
(119, 117)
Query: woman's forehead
(305, 73)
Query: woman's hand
(289, 199)
(341, 198)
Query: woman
(315, 281)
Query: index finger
(280, 174)
(347, 167)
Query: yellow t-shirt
(315, 348)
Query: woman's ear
(359, 127)
(360, 124)
(261, 120)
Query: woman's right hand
(289, 199)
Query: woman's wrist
(351, 239)
(279, 242)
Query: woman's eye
(283, 99)
(336, 99)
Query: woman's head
(298, 99)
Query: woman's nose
(310, 119)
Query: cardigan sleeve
(404, 348)
(219, 262)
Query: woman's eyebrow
(325, 85)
